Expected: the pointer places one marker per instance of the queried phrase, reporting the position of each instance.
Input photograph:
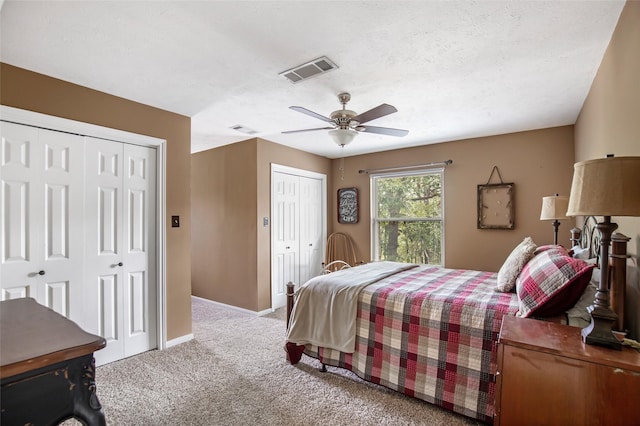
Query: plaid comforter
(430, 333)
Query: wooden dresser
(548, 376)
(47, 370)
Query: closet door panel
(42, 230)
(63, 230)
(20, 224)
(311, 219)
(104, 246)
(285, 235)
(139, 261)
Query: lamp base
(556, 224)
(599, 331)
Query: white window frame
(375, 255)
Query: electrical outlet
(175, 221)
(265, 221)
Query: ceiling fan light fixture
(342, 137)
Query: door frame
(279, 168)
(36, 119)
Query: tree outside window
(407, 217)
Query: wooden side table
(47, 370)
(547, 375)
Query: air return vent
(304, 71)
(244, 129)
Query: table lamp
(554, 208)
(604, 187)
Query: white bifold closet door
(297, 235)
(78, 231)
(120, 247)
(41, 217)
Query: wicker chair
(340, 253)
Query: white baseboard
(235, 308)
(179, 340)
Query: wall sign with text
(348, 205)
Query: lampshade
(342, 137)
(605, 187)
(554, 207)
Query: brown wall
(539, 162)
(231, 193)
(36, 92)
(223, 237)
(609, 122)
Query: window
(407, 219)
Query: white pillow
(512, 267)
(580, 253)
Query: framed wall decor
(496, 206)
(348, 205)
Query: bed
(426, 331)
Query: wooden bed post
(290, 296)
(618, 283)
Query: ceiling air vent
(311, 68)
(243, 129)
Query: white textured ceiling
(453, 69)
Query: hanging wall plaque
(496, 204)
(348, 205)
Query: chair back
(339, 247)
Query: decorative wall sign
(495, 206)
(348, 205)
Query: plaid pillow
(551, 283)
(553, 247)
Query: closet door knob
(119, 263)
(40, 272)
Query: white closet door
(104, 256)
(285, 235)
(298, 229)
(139, 252)
(120, 247)
(311, 238)
(41, 217)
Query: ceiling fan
(345, 124)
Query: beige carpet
(235, 373)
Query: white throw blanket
(326, 307)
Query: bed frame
(587, 237)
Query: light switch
(175, 221)
(265, 221)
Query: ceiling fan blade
(383, 130)
(309, 130)
(311, 113)
(373, 113)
